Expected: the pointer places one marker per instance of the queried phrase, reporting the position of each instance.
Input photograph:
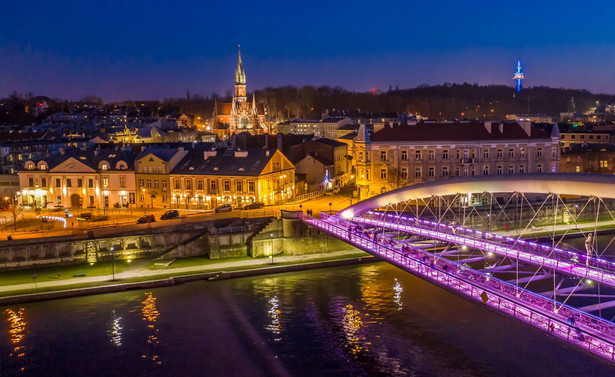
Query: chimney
(267, 153)
(211, 153)
(280, 142)
(61, 150)
(501, 128)
(488, 126)
(527, 126)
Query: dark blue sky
(148, 50)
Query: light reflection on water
(360, 321)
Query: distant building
(588, 158)
(324, 162)
(571, 137)
(534, 118)
(330, 128)
(240, 115)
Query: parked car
(255, 205)
(224, 208)
(170, 214)
(146, 219)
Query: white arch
(566, 184)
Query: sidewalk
(143, 272)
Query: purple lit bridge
(539, 248)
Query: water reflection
(116, 330)
(274, 314)
(351, 324)
(150, 314)
(399, 289)
(18, 328)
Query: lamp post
(271, 256)
(112, 264)
(330, 209)
(144, 205)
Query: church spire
(240, 75)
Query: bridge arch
(561, 183)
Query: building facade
(240, 115)
(400, 156)
(152, 169)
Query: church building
(240, 115)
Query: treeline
(444, 101)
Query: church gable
(72, 165)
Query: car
(224, 208)
(170, 214)
(255, 205)
(146, 219)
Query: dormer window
(30, 166)
(104, 166)
(43, 167)
(242, 169)
(216, 168)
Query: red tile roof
(456, 132)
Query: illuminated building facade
(210, 178)
(79, 179)
(240, 115)
(400, 156)
(152, 169)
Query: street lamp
(271, 256)
(112, 264)
(143, 196)
(330, 210)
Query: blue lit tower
(518, 75)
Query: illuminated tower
(518, 75)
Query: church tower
(240, 79)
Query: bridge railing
(518, 252)
(587, 331)
(534, 248)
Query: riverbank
(84, 286)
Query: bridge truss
(543, 257)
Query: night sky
(150, 50)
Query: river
(364, 320)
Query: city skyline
(70, 54)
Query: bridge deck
(587, 331)
(557, 259)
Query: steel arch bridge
(536, 247)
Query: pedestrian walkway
(143, 272)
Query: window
(445, 154)
(590, 164)
(141, 197)
(367, 174)
(58, 182)
(499, 169)
(511, 169)
(79, 182)
(251, 186)
(553, 168)
(69, 182)
(432, 154)
(148, 183)
(418, 155)
(539, 168)
(383, 174)
(156, 183)
(457, 171)
(466, 154)
(360, 156)
(383, 155)
(43, 167)
(141, 182)
(500, 153)
(418, 172)
(522, 152)
(465, 171)
(164, 185)
(227, 185)
(59, 199)
(177, 184)
(30, 182)
(554, 152)
(123, 182)
(472, 171)
(105, 181)
(521, 169)
(458, 154)
(44, 182)
(404, 155)
(604, 163)
(511, 153)
(90, 183)
(431, 172)
(539, 152)
(164, 198)
(578, 158)
(188, 184)
(199, 184)
(485, 153)
(486, 170)
(577, 169)
(105, 167)
(238, 186)
(213, 186)
(91, 200)
(404, 173)
(445, 171)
